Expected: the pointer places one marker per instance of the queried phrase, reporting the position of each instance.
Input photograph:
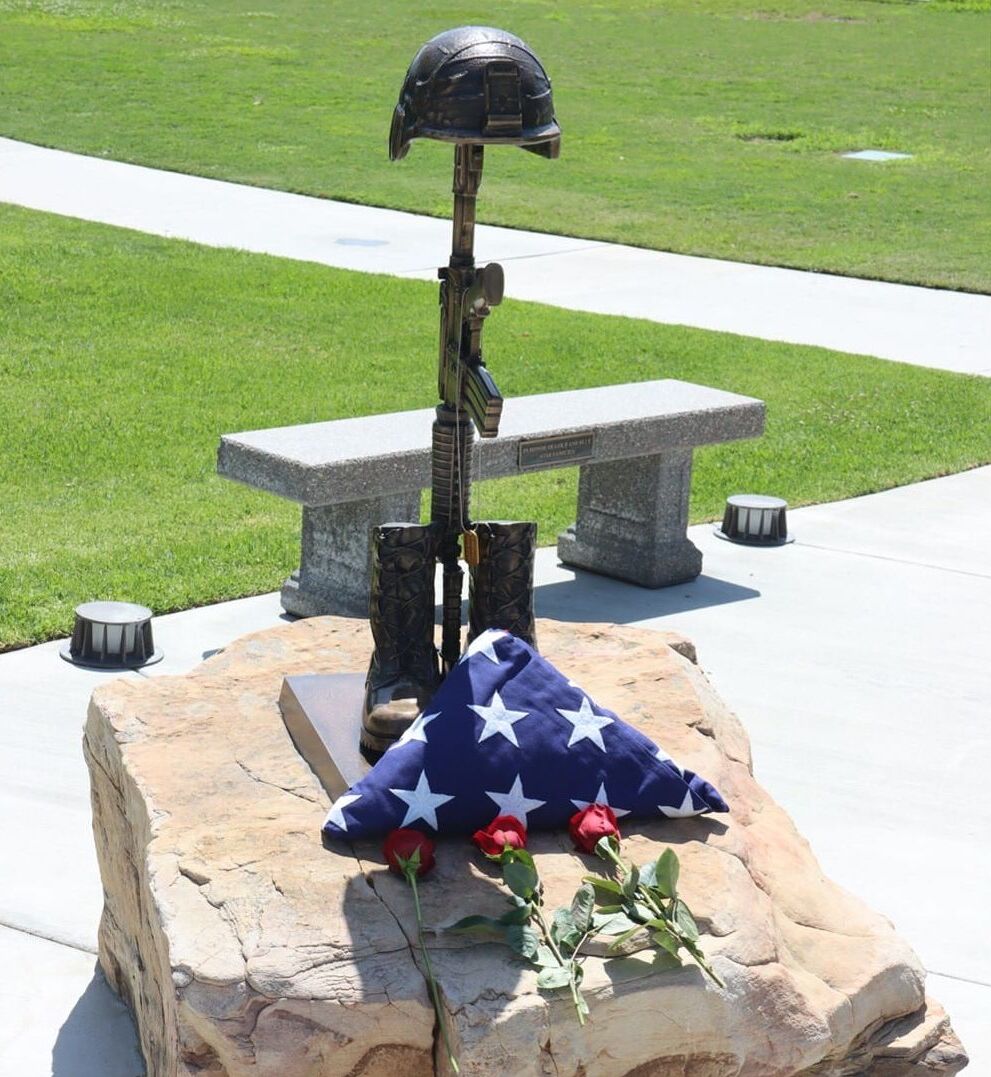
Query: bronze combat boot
(403, 673)
(501, 588)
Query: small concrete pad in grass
(876, 155)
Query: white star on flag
(600, 798)
(336, 813)
(415, 731)
(587, 724)
(497, 719)
(484, 644)
(422, 802)
(687, 808)
(514, 802)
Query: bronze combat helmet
(476, 84)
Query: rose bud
(503, 831)
(400, 846)
(590, 824)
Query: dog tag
(472, 549)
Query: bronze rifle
(469, 396)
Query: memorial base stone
(245, 949)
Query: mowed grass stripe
(712, 127)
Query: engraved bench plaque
(561, 450)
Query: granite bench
(633, 444)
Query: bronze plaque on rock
(322, 713)
(557, 451)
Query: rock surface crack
(275, 785)
(438, 1045)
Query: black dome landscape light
(755, 520)
(111, 635)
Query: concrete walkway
(857, 659)
(924, 326)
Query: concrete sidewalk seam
(591, 246)
(959, 979)
(895, 560)
(68, 944)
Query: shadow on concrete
(98, 1038)
(589, 597)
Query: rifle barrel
(468, 160)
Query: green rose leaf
(648, 876)
(582, 905)
(553, 978)
(631, 882)
(519, 914)
(607, 848)
(605, 889)
(612, 924)
(685, 922)
(483, 925)
(625, 937)
(666, 872)
(545, 957)
(563, 927)
(518, 856)
(520, 878)
(640, 912)
(580, 1004)
(666, 941)
(523, 940)
(664, 936)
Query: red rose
(502, 831)
(401, 845)
(590, 824)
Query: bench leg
(633, 521)
(334, 571)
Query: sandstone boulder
(245, 948)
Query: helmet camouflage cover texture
(476, 84)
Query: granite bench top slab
(245, 948)
(375, 455)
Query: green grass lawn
(124, 357)
(705, 126)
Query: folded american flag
(507, 734)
